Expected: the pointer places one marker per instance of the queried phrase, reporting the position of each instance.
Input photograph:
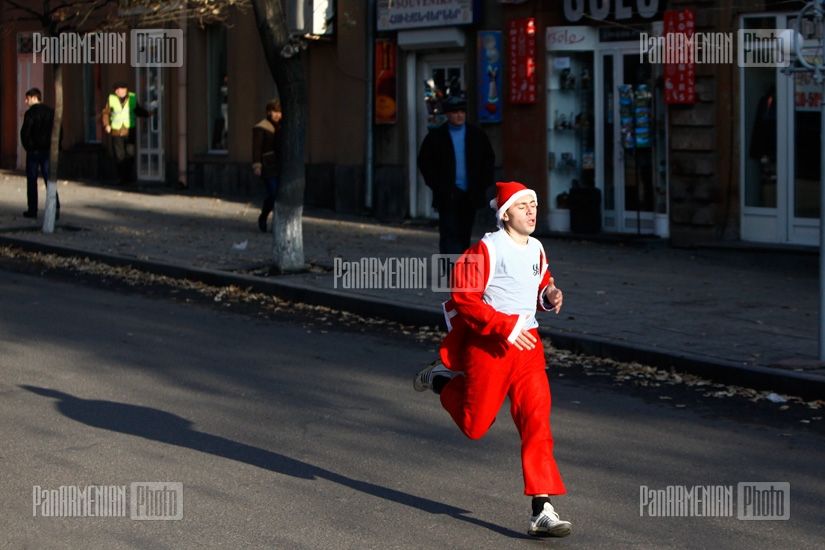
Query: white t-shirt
(517, 273)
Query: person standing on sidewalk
(36, 138)
(266, 156)
(493, 350)
(457, 162)
(120, 121)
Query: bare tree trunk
(54, 152)
(288, 73)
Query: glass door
(804, 184)
(781, 151)
(438, 74)
(150, 153)
(633, 144)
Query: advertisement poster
(489, 76)
(386, 82)
(680, 78)
(522, 45)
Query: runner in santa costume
(493, 350)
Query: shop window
(217, 88)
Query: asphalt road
(302, 431)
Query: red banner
(680, 78)
(386, 82)
(522, 46)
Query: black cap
(454, 103)
(120, 84)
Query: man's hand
(525, 341)
(108, 129)
(553, 295)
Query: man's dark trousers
(124, 151)
(455, 224)
(36, 160)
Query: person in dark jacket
(457, 162)
(266, 156)
(36, 138)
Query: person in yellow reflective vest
(120, 122)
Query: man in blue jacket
(457, 162)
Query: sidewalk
(740, 316)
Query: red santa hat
(507, 193)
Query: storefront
(607, 131)
(437, 49)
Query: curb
(799, 384)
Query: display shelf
(570, 124)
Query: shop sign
(680, 78)
(618, 10)
(807, 93)
(386, 82)
(570, 38)
(619, 34)
(489, 76)
(410, 14)
(522, 45)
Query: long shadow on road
(165, 427)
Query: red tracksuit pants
(493, 371)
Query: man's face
(31, 100)
(121, 92)
(274, 116)
(456, 118)
(521, 216)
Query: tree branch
(17, 6)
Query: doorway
(29, 75)
(436, 73)
(780, 147)
(150, 152)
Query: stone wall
(703, 144)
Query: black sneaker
(30, 214)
